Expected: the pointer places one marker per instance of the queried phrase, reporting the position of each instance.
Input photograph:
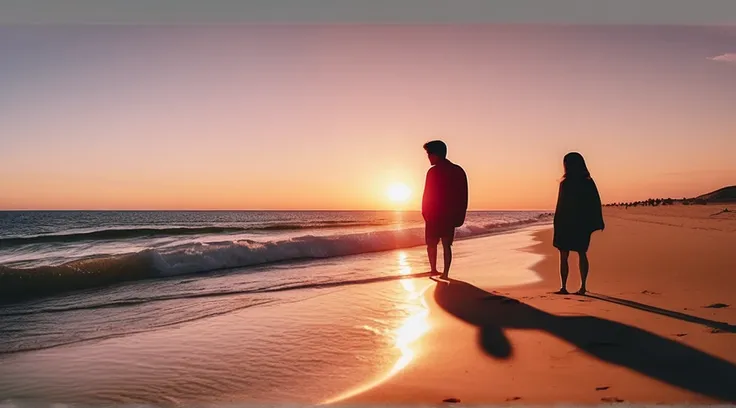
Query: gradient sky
(249, 117)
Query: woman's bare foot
(581, 292)
(562, 291)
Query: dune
(723, 195)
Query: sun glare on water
(398, 192)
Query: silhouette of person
(577, 216)
(444, 203)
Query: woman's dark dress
(578, 214)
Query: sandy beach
(656, 327)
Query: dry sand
(657, 327)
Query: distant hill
(723, 195)
(720, 196)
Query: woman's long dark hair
(575, 168)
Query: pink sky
(328, 117)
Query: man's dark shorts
(435, 232)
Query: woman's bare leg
(584, 267)
(564, 270)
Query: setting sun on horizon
(398, 192)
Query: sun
(398, 192)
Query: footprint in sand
(452, 400)
(717, 306)
(612, 399)
(602, 388)
(513, 399)
(681, 334)
(649, 292)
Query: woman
(577, 216)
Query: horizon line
(244, 210)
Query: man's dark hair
(437, 148)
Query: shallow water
(317, 331)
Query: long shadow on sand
(720, 326)
(616, 343)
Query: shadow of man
(616, 343)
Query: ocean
(162, 306)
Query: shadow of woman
(616, 343)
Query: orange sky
(328, 117)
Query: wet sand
(658, 326)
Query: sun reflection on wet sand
(416, 324)
(413, 327)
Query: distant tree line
(654, 202)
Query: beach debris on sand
(717, 306)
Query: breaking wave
(18, 284)
(148, 232)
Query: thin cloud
(729, 57)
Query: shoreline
(652, 329)
(520, 275)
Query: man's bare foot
(444, 276)
(562, 291)
(581, 292)
(434, 272)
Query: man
(444, 204)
